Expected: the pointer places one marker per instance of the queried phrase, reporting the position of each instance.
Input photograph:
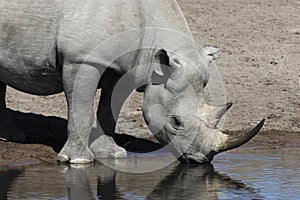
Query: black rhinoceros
(47, 47)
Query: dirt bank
(13, 154)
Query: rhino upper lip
(191, 158)
(184, 158)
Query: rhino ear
(209, 53)
(161, 68)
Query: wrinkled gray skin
(53, 46)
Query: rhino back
(35, 34)
(27, 46)
(94, 31)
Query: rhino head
(175, 112)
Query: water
(272, 174)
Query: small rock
(273, 62)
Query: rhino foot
(75, 153)
(64, 158)
(105, 147)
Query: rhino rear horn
(212, 115)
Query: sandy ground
(259, 68)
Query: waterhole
(261, 174)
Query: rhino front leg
(2, 96)
(110, 104)
(80, 85)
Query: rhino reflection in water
(182, 182)
(199, 182)
(174, 182)
(47, 47)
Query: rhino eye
(176, 123)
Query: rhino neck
(164, 27)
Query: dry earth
(259, 66)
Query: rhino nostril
(183, 158)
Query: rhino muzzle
(224, 143)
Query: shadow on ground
(30, 128)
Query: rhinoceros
(77, 47)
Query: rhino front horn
(231, 142)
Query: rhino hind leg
(105, 115)
(9, 131)
(110, 104)
(2, 96)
